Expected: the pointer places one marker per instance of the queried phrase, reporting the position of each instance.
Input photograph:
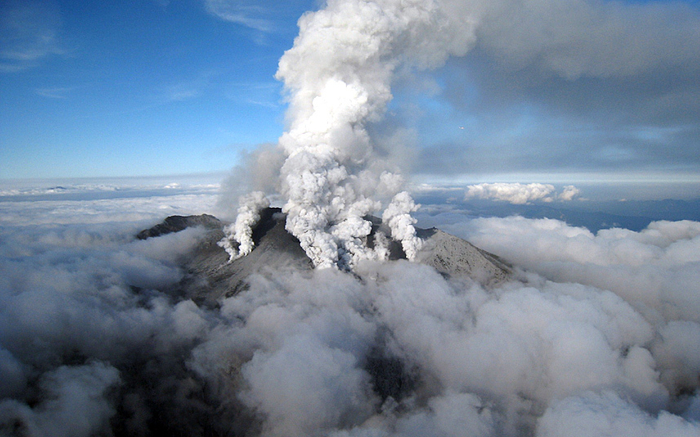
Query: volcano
(211, 277)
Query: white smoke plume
(339, 74)
(338, 78)
(398, 217)
(241, 230)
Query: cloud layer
(598, 336)
(519, 194)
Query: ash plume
(338, 80)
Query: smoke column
(339, 73)
(338, 79)
(242, 229)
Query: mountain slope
(212, 277)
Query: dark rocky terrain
(176, 223)
(211, 277)
(161, 393)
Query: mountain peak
(212, 277)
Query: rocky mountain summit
(212, 277)
(212, 406)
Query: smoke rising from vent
(338, 80)
(242, 230)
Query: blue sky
(163, 87)
(137, 88)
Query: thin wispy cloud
(187, 89)
(264, 94)
(55, 92)
(263, 104)
(238, 12)
(182, 91)
(29, 33)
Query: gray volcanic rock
(212, 277)
(215, 277)
(176, 223)
(456, 257)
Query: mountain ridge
(211, 277)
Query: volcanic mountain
(212, 277)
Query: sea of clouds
(596, 334)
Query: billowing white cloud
(488, 362)
(655, 269)
(568, 193)
(600, 326)
(78, 306)
(519, 194)
(609, 414)
(75, 404)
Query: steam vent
(212, 277)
